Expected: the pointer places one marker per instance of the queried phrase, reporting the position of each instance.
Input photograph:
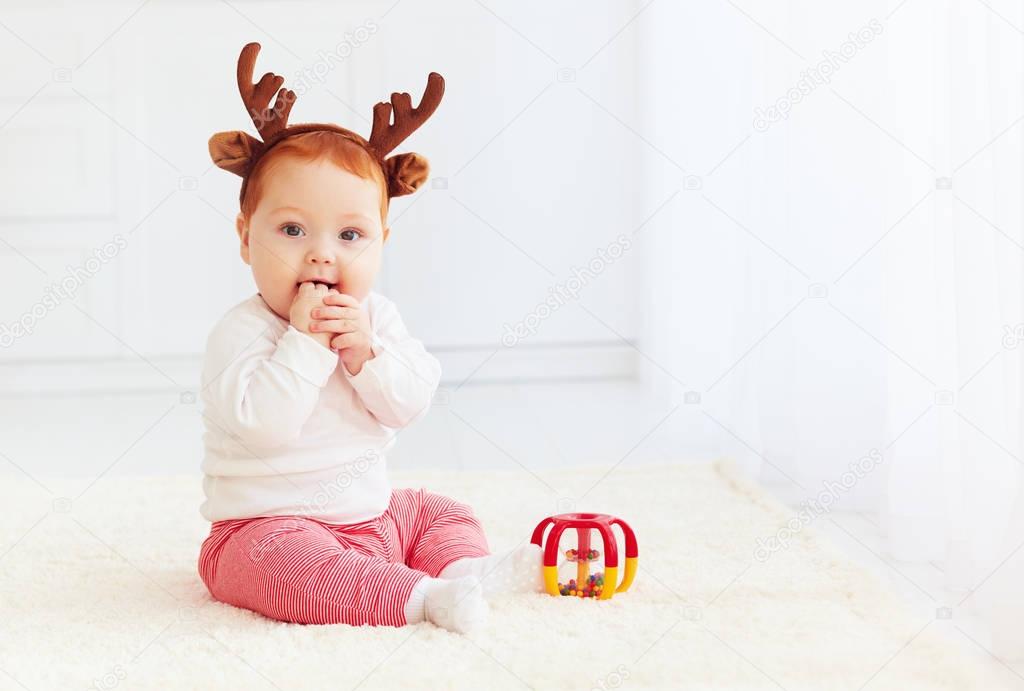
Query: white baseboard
(170, 373)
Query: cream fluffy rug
(104, 594)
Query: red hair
(310, 147)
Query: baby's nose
(320, 256)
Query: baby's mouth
(319, 282)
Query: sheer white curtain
(955, 494)
(846, 283)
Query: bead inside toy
(581, 564)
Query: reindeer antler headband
(238, 152)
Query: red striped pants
(297, 569)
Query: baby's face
(314, 222)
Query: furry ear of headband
(238, 152)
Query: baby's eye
(350, 234)
(292, 230)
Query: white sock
(457, 605)
(516, 571)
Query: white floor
(921, 586)
(535, 427)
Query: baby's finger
(344, 341)
(334, 313)
(341, 300)
(337, 326)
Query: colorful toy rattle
(586, 584)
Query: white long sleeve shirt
(290, 431)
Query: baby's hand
(349, 325)
(310, 296)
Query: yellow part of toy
(582, 571)
(610, 574)
(551, 580)
(627, 580)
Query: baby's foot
(516, 571)
(457, 605)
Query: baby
(305, 383)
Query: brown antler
(384, 136)
(256, 97)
